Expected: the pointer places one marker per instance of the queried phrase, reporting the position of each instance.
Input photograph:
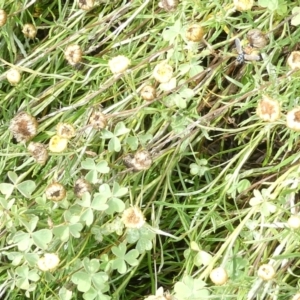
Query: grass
(222, 185)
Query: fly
(242, 56)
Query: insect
(248, 53)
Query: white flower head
(293, 119)
(119, 64)
(48, 262)
(242, 5)
(133, 217)
(268, 109)
(159, 295)
(163, 72)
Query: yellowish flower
(218, 276)
(29, 31)
(294, 221)
(119, 64)
(268, 109)
(3, 17)
(242, 5)
(294, 60)
(195, 33)
(266, 272)
(163, 72)
(48, 262)
(65, 130)
(58, 144)
(13, 76)
(133, 217)
(293, 119)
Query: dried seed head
(65, 130)
(148, 93)
(119, 64)
(86, 4)
(256, 38)
(168, 5)
(13, 76)
(58, 144)
(294, 60)
(48, 262)
(3, 17)
(294, 222)
(23, 127)
(73, 54)
(98, 120)
(163, 72)
(266, 272)
(242, 5)
(55, 192)
(39, 152)
(140, 161)
(195, 33)
(81, 186)
(268, 109)
(29, 31)
(133, 217)
(218, 276)
(293, 119)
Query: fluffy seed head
(140, 161)
(294, 60)
(243, 5)
(293, 119)
(98, 120)
(13, 76)
(194, 33)
(81, 186)
(86, 4)
(163, 72)
(48, 262)
(119, 64)
(23, 127)
(148, 93)
(58, 144)
(133, 217)
(55, 192)
(65, 130)
(73, 54)
(266, 272)
(218, 276)
(268, 109)
(256, 38)
(29, 31)
(39, 152)
(3, 17)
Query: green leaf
(119, 251)
(270, 4)
(33, 275)
(6, 189)
(106, 134)
(120, 265)
(91, 266)
(104, 190)
(85, 200)
(118, 191)
(115, 205)
(132, 142)
(296, 19)
(31, 258)
(100, 281)
(99, 202)
(15, 257)
(92, 176)
(22, 271)
(75, 229)
(22, 283)
(82, 280)
(42, 238)
(62, 232)
(114, 145)
(102, 167)
(131, 257)
(64, 294)
(26, 188)
(91, 294)
(23, 240)
(13, 177)
(87, 217)
(120, 129)
(88, 164)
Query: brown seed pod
(65, 130)
(148, 93)
(86, 4)
(140, 161)
(256, 38)
(168, 5)
(73, 54)
(39, 152)
(294, 60)
(195, 33)
(29, 31)
(23, 127)
(98, 120)
(55, 192)
(81, 186)
(3, 17)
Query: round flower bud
(23, 127)
(163, 72)
(148, 93)
(81, 186)
(133, 217)
(293, 119)
(39, 152)
(86, 4)
(168, 5)
(73, 54)
(294, 222)
(119, 64)
(65, 130)
(58, 144)
(218, 276)
(29, 31)
(13, 76)
(256, 38)
(3, 17)
(294, 60)
(194, 33)
(266, 272)
(243, 5)
(55, 192)
(268, 109)
(48, 262)
(98, 120)
(296, 297)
